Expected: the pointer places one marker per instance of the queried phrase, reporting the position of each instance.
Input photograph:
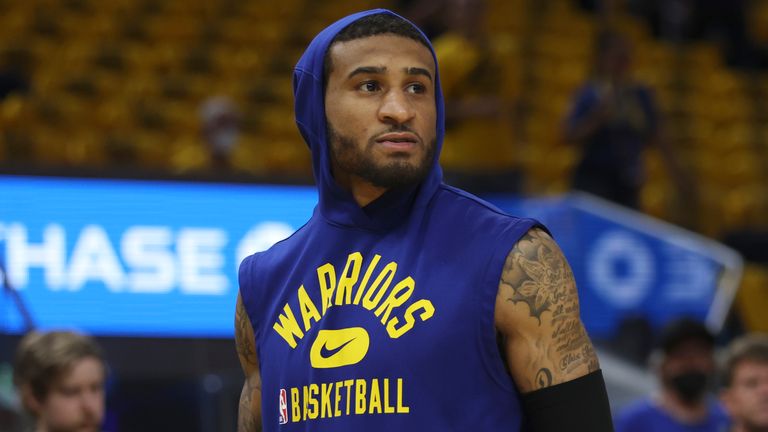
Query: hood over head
(336, 204)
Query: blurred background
(147, 146)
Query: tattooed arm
(537, 316)
(249, 411)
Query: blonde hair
(44, 357)
(752, 347)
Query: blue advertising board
(117, 257)
(629, 265)
(159, 258)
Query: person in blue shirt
(685, 365)
(404, 304)
(613, 119)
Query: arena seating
(119, 84)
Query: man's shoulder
(646, 413)
(588, 92)
(266, 246)
(638, 414)
(640, 409)
(453, 198)
(717, 413)
(466, 211)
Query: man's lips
(398, 140)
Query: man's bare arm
(249, 411)
(537, 315)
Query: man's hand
(537, 315)
(249, 411)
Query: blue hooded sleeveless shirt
(381, 318)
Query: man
(221, 130)
(745, 383)
(60, 378)
(685, 365)
(404, 304)
(613, 119)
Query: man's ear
(28, 399)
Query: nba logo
(283, 407)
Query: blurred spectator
(685, 365)
(633, 340)
(614, 119)
(745, 383)
(60, 377)
(220, 120)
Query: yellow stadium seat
(752, 298)
(153, 149)
(654, 199)
(85, 148)
(743, 206)
(506, 16)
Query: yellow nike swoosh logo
(336, 348)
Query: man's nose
(93, 403)
(396, 108)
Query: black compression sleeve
(579, 405)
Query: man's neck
(366, 193)
(682, 411)
(363, 191)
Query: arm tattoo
(249, 409)
(246, 419)
(537, 275)
(245, 348)
(543, 378)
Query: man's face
(747, 397)
(381, 112)
(689, 356)
(75, 402)
(687, 368)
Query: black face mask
(690, 386)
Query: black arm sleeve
(579, 405)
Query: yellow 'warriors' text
(370, 290)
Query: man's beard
(393, 173)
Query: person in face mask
(684, 362)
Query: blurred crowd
(61, 379)
(701, 388)
(612, 97)
(658, 106)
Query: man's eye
(369, 86)
(68, 391)
(416, 88)
(751, 383)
